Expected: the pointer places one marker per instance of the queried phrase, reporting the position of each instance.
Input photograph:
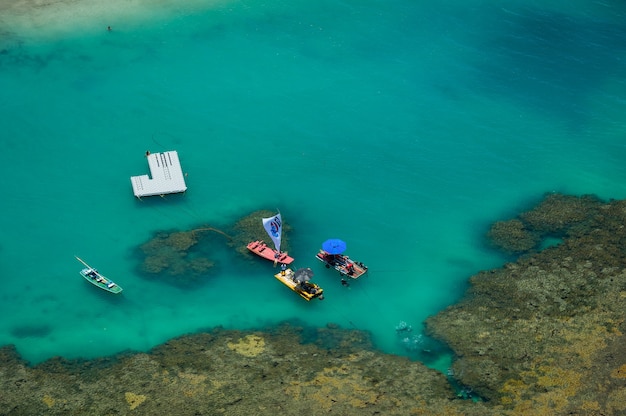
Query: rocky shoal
(541, 335)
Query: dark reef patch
(31, 331)
(184, 258)
(170, 257)
(551, 220)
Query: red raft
(261, 249)
(343, 264)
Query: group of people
(338, 260)
(332, 259)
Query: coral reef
(513, 236)
(542, 335)
(169, 256)
(182, 258)
(556, 216)
(529, 337)
(559, 213)
(134, 400)
(249, 346)
(214, 373)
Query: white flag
(274, 227)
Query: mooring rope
(214, 230)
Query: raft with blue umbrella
(332, 255)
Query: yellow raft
(306, 290)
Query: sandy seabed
(37, 20)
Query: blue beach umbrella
(334, 246)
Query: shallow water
(404, 129)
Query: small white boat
(94, 277)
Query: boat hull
(343, 264)
(263, 250)
(100, 281)
(307, 291)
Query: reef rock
(232, 373)
(541, 335)
(513, 236)
(556, 216)
(173, 257)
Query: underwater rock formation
(233, 373)
(182, 258)
(540, 336)
(555, 216)
(513, 236)
(170, 257)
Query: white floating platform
(167, 176)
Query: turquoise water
(403, 128)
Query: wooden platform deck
(167, 176)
